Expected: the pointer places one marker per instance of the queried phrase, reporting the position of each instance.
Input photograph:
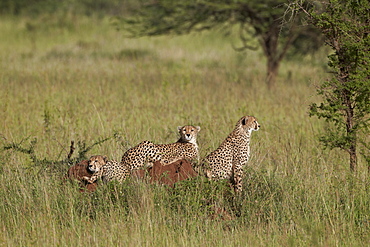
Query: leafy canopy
(346, 96)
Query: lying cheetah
(106, 169)
(146, 153)
(227, 161)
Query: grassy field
(77, 79)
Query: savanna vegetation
(266, 24)
(72, 77)
(347, 94)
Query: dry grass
(86, 82)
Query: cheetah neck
(247, 131)
(241, 134)
(192, 141)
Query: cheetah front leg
(91, 179)
(94, 177)
(238, 177)
(167, 161)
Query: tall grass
(83, 81)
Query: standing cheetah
(227, 161)
(146, 153)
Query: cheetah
(228, 160)
(106, 169)
(146, 153)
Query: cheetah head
(96, 162)
(248, 124)
(188, 133)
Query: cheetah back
(146, 153)
(114, 170)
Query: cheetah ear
(179, 128)
(198, 128)
(105, 158)
(245, 120)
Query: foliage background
(70, 76)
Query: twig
(71, 150)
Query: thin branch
(71, 150)
(244, 40)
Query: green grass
(79, 79)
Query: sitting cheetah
(106, 169)
(146, 153)
(227, 161)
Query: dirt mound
(171, 173)
(77, 172)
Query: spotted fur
(146, 153)
(228, 160)
(106, 169)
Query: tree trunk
(353, 157)
(349, 103)
(272, 71)
(350, 130)
(274, 55)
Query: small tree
(261, 19)
(345, 25)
